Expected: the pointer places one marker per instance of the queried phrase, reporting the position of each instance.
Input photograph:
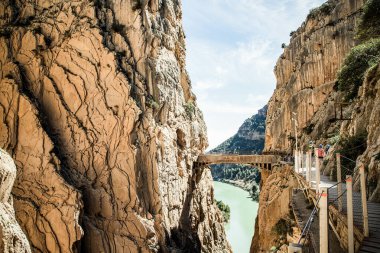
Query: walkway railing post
(350, 216)
(317, 171)
(296, 161)
(323, 222)
(364, 201)
(295, 248)
(339, 180)
(300, 161)
(309, 167)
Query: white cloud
(207, 85)
(232, 47)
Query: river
(241, 227)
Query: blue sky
(232, 48)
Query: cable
(330, 202)
(309, 221)
(348, 158)
(356, 147)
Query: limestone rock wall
(365, 116)
(12, 238)
(98, 114)
(307, 70)
(275, 196)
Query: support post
(295, 161)
(295, 248)
(317, 171)
(300, 161)
(323, 222)
(364, 201)
(339, 180)
(350, 216)
(309, 167)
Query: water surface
(243, 214)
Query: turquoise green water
(243, 214)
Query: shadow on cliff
(184, 238)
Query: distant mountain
(249, 139)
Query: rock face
(306, 72)
(98, 114)
(275, 195)
(365, 116)
(12, 238)
(306, 85)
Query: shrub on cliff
(351, 147)
(225, 209)
(283, 227)
(359, 60)
(369, 25)
(324, 9)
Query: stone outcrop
(12, 238)
(97, 111)
(306, 73)
(274, 204)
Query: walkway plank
(370, 244)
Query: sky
(232, 48)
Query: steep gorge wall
(98, 114)
(306, 75)
(306, 72)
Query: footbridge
(261, 161)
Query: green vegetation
(250, 176)
(242, 142)
(150, 102)
(254, 192)
(309, 129)
(235, 172)
(324, 9)
(190, 109)
(283, 227)
(136, 5)
(357, 63)
(334, 139)
(369, 25)
(225, 209)
(364, 56)
(352, 147)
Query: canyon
(100, 129)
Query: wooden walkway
(370, 244)
(262, 161)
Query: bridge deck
(265, 161)
(370, 244)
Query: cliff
(328, 76)
(306, 74)
(274, 207)
(97, 111)
(13, 238)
